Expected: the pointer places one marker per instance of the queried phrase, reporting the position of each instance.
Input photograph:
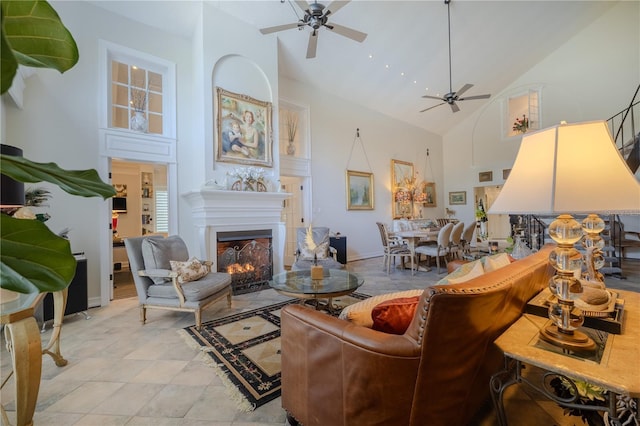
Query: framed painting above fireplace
(243, 129)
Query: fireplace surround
(218, 211)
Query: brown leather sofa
(437, 373)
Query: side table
(617, 371)
(25, 347)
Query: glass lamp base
(575, 340)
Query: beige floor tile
(155, 421)
(159, 371)
(123, 370)
(84, 369)
(225, 408)
(51, 391)
(85, 398)
(173, 401)
(195, 373)
(129, 399)
(102, 420)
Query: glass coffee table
(334, 283)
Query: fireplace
(247, 256)
(220, 213)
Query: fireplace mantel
(216, 211)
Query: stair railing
(624, 123)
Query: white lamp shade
(569, 168)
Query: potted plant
(481, 220)
(33, 258)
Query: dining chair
(467, 236)
(439, 250)
(392, 248)
(455, 246)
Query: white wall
(59, 122)
(591, 77)
(333, 131)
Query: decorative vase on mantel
(139, 122)
(291, 148)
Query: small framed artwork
(121, 189)
(243, 129)
(505, 173)
(458, 197)
(485, 176)
(430, 192)
(359, 190)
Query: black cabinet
(77, 298)
(340, 244)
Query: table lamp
(569, 168)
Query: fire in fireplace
(248, 257)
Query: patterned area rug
(244, 350)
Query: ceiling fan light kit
(316, 16)
(452, 97)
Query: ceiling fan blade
(474, 97)
(313, 43)
(347, 32)
(302, 5)
(335, 6)
(277, 28)
(433, 97)
(454, 107)
(427, 109)
(464, 89)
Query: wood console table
(25, 346)
(618, 370)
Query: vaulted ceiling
(405, 54)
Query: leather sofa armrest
(329, 362)
(363, 337)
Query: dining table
(412, 238)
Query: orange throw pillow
(394, 316)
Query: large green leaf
(36, 37)
(86, 183)
(9, 64)
(34, 259)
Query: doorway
(498, 226)
(142, 208)
(292, 214)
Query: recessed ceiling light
(370, 56)
(402, 74)
(387, 66)
(415, 82)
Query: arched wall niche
(242, 75)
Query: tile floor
(122, 373)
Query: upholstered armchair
(313, 246)
(165, 277)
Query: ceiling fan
(452, 97)
(317, 16)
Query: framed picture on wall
(458, 197)
(243, 129)
(485, 176)
(430, 195)
(359, 190)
